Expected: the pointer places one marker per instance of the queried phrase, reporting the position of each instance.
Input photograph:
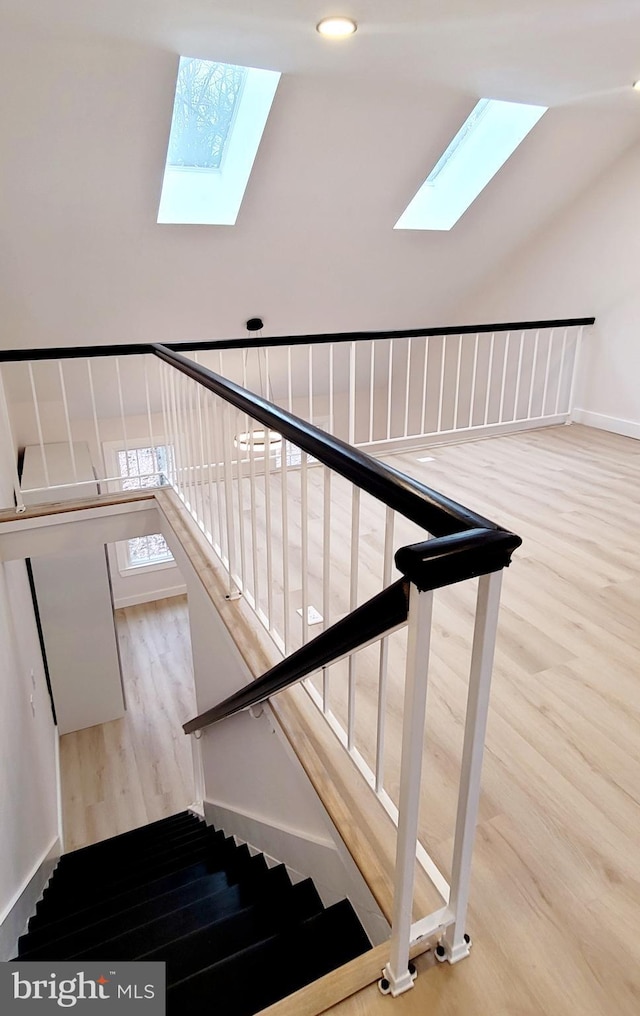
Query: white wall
(585, 263)
(28, 791)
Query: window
(483, 144)
(146, 550)
(142, 467)
(138, 467)
(219, 115)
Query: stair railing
(463, 546)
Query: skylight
(483, 144)
(219, 114)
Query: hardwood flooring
(123, 774)
(555, 905)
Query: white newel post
(456, 944)
(397, 977)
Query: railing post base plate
(389, 984)
(447, 953)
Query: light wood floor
(120, 775)
(555, 909)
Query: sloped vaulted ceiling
(87, 93)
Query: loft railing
(307, 526)
(381, 391)
(390, 391)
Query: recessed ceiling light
(636, 85)
(336, 28)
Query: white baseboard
(477, 433)
(628, 428)
(157, 594)
(13, 921)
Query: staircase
(230, 929)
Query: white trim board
(13, 921)
(614, 424)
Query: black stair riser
(132, 944)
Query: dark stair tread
(169, 862)
(133, 943)
(109, 871)
(221, 856)
(279, 965)
(53, 907)
(228, 927)
(182, 876)
(187, 955)
(58, 942)
(67, 886)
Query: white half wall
(585, 263)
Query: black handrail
(314, 338)
(432, 511)
(430, 565)
(378, 615)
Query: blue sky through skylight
(220, 112)
(489, 135)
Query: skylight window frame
(446, 194)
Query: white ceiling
(87, 91)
